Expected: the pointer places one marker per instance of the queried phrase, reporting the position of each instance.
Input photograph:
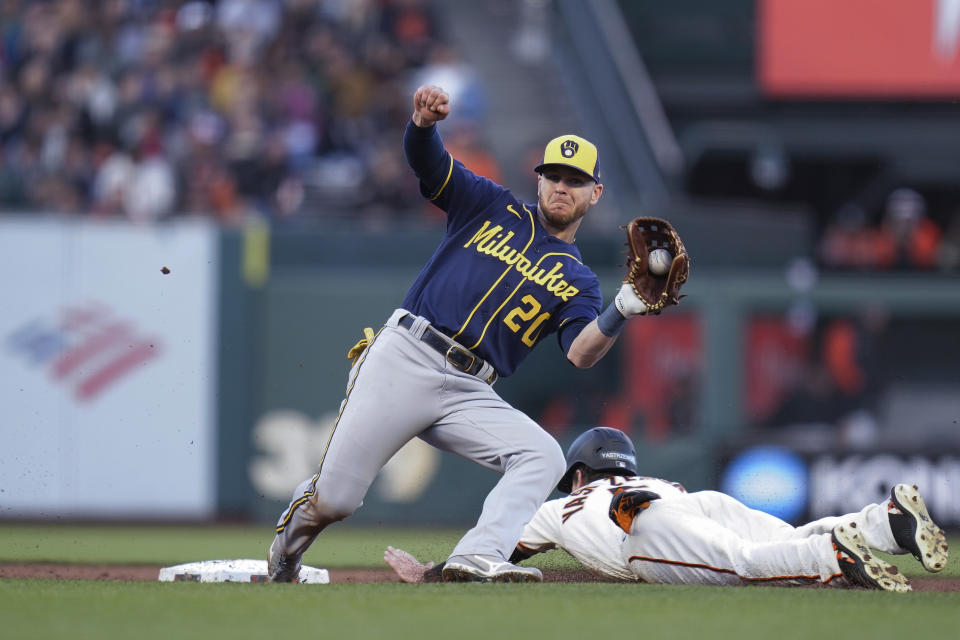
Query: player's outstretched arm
(407, 567)
(598, 336)
(590, 346)
(430, 104)
(522, 553)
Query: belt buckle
(467, 368)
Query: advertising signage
(801, 487)
(878, 49)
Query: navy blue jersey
(499, 282)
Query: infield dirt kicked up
(149, 573)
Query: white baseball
(659, 262)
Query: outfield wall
(693, 387)
(108, 370)
(210, 391)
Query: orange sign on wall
(859, 48)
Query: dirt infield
(141, 573)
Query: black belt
(456, 354)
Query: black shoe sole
(859, 564)
(915, 531)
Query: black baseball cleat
(914, 530)
(281, 567)
(625, 506)
(860, 566)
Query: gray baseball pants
(400, 388)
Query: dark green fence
(284, 340)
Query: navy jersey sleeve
(581, 312)
(425, 154)
(444, 180)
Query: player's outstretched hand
(430, 104)
(407, 567)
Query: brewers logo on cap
(574, 152)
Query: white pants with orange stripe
(399, 389)
(708, 537)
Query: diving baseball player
(505, 276)
(633, 528)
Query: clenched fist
(430, 104)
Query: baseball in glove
(644, 236)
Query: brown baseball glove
(645, 235)
(626, 504)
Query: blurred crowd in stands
(236, 109)
(903, 236)
(285, 110)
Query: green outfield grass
(340, 546)
(142, 610)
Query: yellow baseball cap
(572, 151)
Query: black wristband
(434, 574)
(611, 321)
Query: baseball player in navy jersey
(631, 528)
(505, 276)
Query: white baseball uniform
(705, 537)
